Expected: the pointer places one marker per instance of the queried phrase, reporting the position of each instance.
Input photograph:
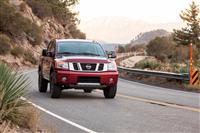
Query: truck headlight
(112, 66)
(62, 65)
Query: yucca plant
(12, 87)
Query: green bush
(28, 56)
(151, 64)
(12, 88)
(17, 51)
(4, 44)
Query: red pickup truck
(77, 64)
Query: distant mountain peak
(146, 37)
(120, 29)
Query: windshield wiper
(89, 54)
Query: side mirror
(50, 54)
(44, 52)
(111, 54)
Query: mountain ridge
(120, 29)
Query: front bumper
(71, 79)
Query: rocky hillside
(146, 37)
(26, 26)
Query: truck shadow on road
(68, 94)
(80, 95)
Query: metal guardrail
(178, 76)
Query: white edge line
(59, 117)
(55, 115)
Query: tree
(120, 49)
(161, 47)
(191, 33)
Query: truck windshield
(80, 48)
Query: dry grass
(192, 87)
(30, 119)
(27, 124)
(6, 127)
(50, 129)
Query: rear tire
(110, 92)
(42, 83)
(55, 90)
(87, 91)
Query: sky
(156, 11)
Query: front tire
(55, 90)
(42, 83)
(110, 92)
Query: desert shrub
(40, 8)
(176, 67)
(135, 48)
(35, 35)
(76, 33)
(28, 56)
(30, 119)
(17, 51)
(151, 64)
(4, 44)
(22, 7)
(161, 47)
(14, 24)
(45, 8)
(59, 10)
(120, 49)
(12, 88)
(180, 54)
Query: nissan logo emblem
(88, 66)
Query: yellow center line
(158, 102)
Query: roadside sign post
(191, 64)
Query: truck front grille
(88, 67)
(100, 67)
(75, 66)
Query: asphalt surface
(124, 114)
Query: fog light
(64, 78)
(110, 80)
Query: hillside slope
(146, 37)
(26, 26)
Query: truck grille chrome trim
(96, 84)
(87, 67)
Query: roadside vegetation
(25, 26)
(13, 24)
(13, 110)
(5, 44)
(59, 10)
(29, 57)
(171, 53)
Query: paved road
(126, 113)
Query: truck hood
(84, 59)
